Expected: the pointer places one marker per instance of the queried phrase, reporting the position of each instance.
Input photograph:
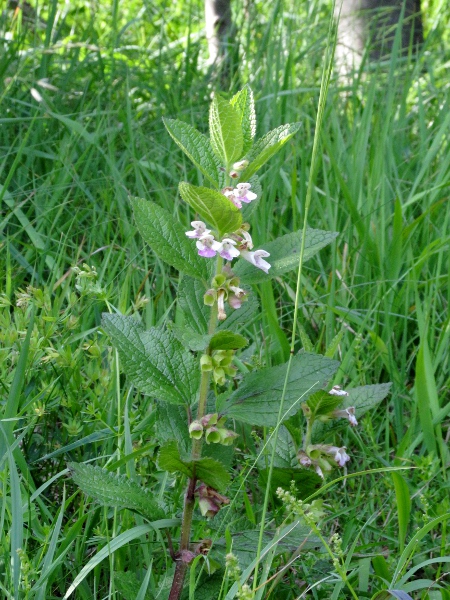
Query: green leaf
(167, 238)
(227, 340)
(306, 482)
(196, 146)
(285, 254)
(403, 499)
(154, 360)
(208, 470)
(323, 403)
(267, 146)
(190, 300)
(115, 490)
(426, 394)
(258, 398)
(225, 131)
(172, 424)
(213, 207)
(245, 104)
(190, 339)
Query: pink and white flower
(227, 249)
(243, 194)
(257, 259)
(346, 413)
(246, 242)
(336, 390)
(229, 193)
(199, 230)
(207, 246)
(339, 454)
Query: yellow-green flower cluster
(220, 365)
(212, 427)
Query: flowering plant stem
(189, 499)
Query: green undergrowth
(82, 98)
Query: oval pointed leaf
(213, 207)
(245, 104)
(257, 400)
(197, 148)
(285, 254)
(154, 360)
(115, 490)
(225, 131)
(267, 146)
(227, 340)
(167, 238)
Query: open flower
(243, 194)
(257, 259)
(339, 454)
(229, 193)
(207, 246)
(227, 249)
(336, 390)
(346, 413)
(199, 230)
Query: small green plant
(191, 367)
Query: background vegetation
(83, 88)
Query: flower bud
(196, 430)
(241, 165)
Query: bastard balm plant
(207, 400)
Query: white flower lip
(199, 230)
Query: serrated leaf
(154, 360)
(284, 254)
(190, 300)
(258, 398)
(115, 490)
(323, 403)
(227, 340)
(245, 104)
(267, 146)
(213, 207)
(190, 339)
(241, 317)
(285, 451)
(366, 397)
(167, 239)
(306, 482)
(206, 469)
(196, 146)
(225, 131)
(172, 424)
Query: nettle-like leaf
(167, 239)
(189, 338)
(197, 147)
(225, 131)
(190, 300)
(323, 403)
(267, 146)
(284, 254)
(227, 340)
(257, 399)
(154, 360)
(115, 490)
(213, 207)
(245, 104)
(206, 469)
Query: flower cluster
(220, 365)
(320, 456)
(238, 243)
(210, 501)
(225, 288)
(213, 428)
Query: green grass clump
(82, 98)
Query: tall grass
(84, 90)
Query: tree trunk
(218, 28)
(374, 23)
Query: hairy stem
(189, 499)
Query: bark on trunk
(374, 22)
(218, 28)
